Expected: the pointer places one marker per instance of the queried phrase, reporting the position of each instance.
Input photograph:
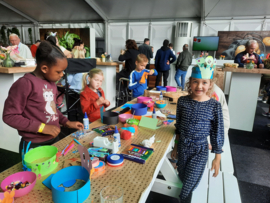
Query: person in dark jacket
(183, 62)
(164, 57)
(129, 56)
(251, 46)
(146, 50)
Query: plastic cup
(111, 194)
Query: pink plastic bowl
(124, 117)
(171, 89)
(20, 176)
(142, 99)
(2, 196)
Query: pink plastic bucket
(142, 99)
(171, 89)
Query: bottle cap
(116, 130)
(154, 111)
(85, 115)
(160, 92)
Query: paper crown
(205, 68)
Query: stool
(126, 94)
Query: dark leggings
(165, 77)
(122, 74)
(34, 145)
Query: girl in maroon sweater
(92, 97)
(30, 106)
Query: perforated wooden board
(134, 178)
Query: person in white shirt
(24, 50)
(171, 47)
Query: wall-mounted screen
(205, 43)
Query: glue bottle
(154, 114)
(86, 122)
(160, 96)
(116, 136)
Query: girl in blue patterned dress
(197, 117)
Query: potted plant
(8, 62)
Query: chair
(73, 97)
(126, 93)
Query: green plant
(3, 34)
(15, 31)
(30, 35)
(87, 54)
(67, 40)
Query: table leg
(243, 97)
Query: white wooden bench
(221, 189)
(226, 164)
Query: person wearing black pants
(129, 56)
(163, 59)
(165, 77)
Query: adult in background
(147, 51)
(34, 47)
(164, 57)
(183, 62)
(251, 46)
(129, 56)
(171, 47)
(24, 50)
(54, 41)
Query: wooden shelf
(244, 70)
(12, 70)
(106, 63)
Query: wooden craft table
(243, 95)
(136, 179)
(10, 139)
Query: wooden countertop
(17, 69)
(244, 70)
(32, 68)
(106, 63)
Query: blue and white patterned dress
(194, 122)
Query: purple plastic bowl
(143, 99)
(2, 196)
(161, 88)
(171, 89)
(140, 109)
(20, 176)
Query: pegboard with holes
(133, 177)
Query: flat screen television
(205, 43)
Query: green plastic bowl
(41, 160)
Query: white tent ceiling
(237, 8)
(9, 16)
(75, 11)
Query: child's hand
(168, 62)
(100, 101)
(216, 164)
(51, 130)
(174, 153)
(75, 124)
(106, 102)
(151, 72)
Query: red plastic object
(125, 135)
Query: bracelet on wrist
(176, 141)
(41, 127)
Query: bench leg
(172, 185)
